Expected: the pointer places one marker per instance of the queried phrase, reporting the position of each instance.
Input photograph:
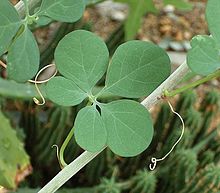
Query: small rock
(186, 45)
(169, 9)
(177, 46)
(164, 43)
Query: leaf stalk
(192, 85)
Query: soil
(176, 26)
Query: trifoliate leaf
(129, 127)
(64, 92)
(90, 132)
(136, 69)
(212, 17)
(82, 57)
(23, 57)
(203, 58)
(63, 10)
(9, 24)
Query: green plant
(16, 35)
(82, 58)
(193, 154)
(136, 69)
(14, 165)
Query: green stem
(63, 147)
(26, 7)
(192, 85)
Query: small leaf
(137, 68)
(23, 57)
(203, 58)
(90, 132)
(212, 17)
(129, 127)
(179, 4)
(64, 92)
(82, 57)
(137, 9)
(63, 10)
(9, 24)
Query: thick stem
(168, 84)
(71, 169)
(193, 84)
(26, 7)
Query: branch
(75, 166)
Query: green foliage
(23, 54)
(204, 58)
(144, 181)
(128, 133)
(16, 38)
(137, 9)
(207, 180)
(9, 25)
(11, 89)
(109, 186)
(132, 66)
(62, 10)
(13, 159)
(61, 91)
(90, 132)
(212, 12)
(82, 58)
(198, 148)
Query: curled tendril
(35, 81)
(58, 156)
(60, 153)
(154, 160)
(37, 102)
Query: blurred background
(27, 131)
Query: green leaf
(137, 10)
(129, 127)
(12, 89)
(23, 57)
(82, 57)
(9, 24)
(212, 17)
(203, 58)
(64, 92)
(12, 155)
(90, 132)
(137, 68)
(179, 4)
(42, 21)
(63, 10)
